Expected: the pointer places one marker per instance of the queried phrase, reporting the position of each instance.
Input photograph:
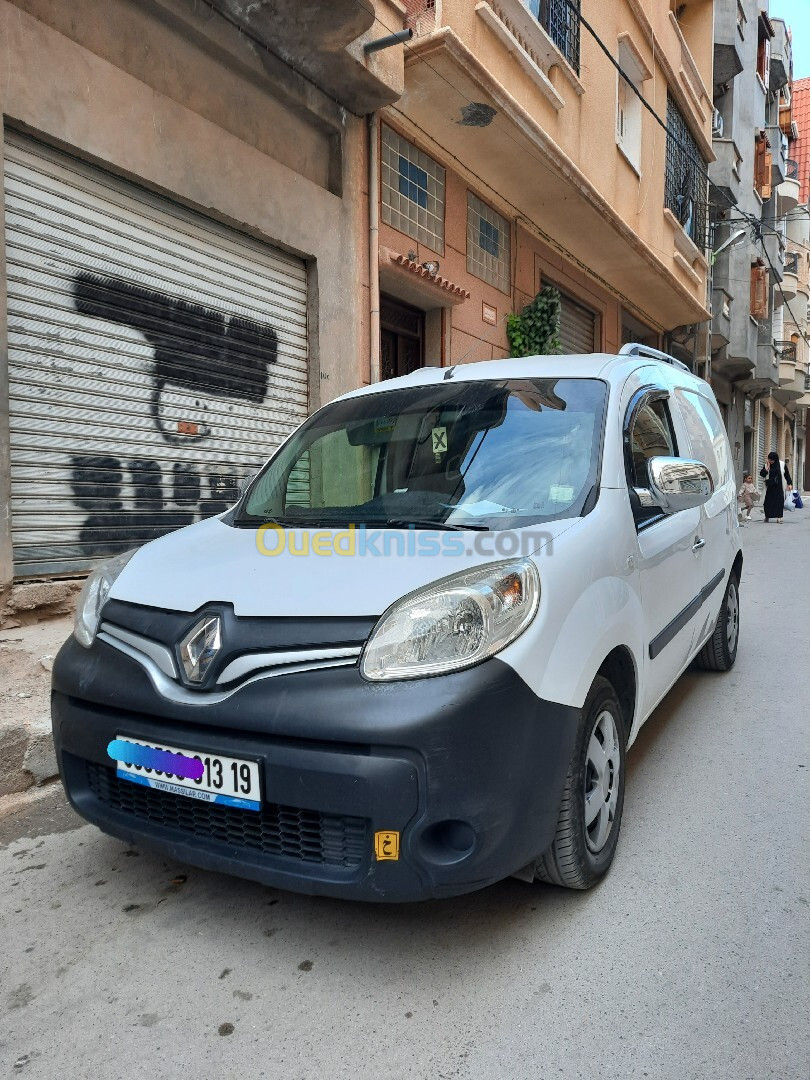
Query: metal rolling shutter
(760, 447)
(577, 327)
(156, 358)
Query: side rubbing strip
(660, 641)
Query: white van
(409, 662)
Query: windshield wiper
(449, 526)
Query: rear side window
(707, 435)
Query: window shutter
(765, 192)
(759, 292)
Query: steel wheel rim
(602, 775)
(732, 617)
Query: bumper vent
(306, 836)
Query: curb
(27, 755)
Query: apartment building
(754, 196)
(797, 328)
(185, 242)
(518, 157)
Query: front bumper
(468, 768)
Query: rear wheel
(720, 651)
(593, 797)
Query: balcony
(321, 42)
(791, 382)
(724, 173)
(798, 229)
(786, 352)
(721, 318)
(790, 280)
(789, 191)
(780, 158)
(780, 57)
(728, 41)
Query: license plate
(226, 781)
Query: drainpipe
(374, 246)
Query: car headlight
(454, 623)
(93, 596)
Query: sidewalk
(26, 657)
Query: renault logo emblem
(199, 648)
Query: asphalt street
(689, 961)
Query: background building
(518, 157)
(185, 242)
(755, 228)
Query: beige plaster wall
(584, 128)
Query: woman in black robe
(774, 505)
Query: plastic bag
(797, 500)
(789, 504)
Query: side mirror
(245, 483)
(679, 483)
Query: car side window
(648, 434)
(706, 433)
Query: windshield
(492, 455)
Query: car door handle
(698, 544)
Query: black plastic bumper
(468, 768)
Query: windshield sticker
(439, 437)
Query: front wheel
(720, 651)
(593, 797)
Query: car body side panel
(589, 605)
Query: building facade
(754, 229)
(184, 256)
(518, 157)
(798, 328)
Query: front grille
(286, 831)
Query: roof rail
(634, 349)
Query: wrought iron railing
(560, 20)
(807, 381)
(785, 351)
(792, 172)
(792, 262)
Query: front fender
(562, 660)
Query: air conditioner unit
(717, 124)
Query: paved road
(690, 961)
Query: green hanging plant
(536, 331)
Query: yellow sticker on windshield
(386, 845)
(439, 435)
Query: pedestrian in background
(774, 505)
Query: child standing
(747, 495)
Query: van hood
(211, 562)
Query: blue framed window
(412, 182)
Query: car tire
(593, 796)
(720, 651)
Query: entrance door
(402, 338)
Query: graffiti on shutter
(198, 354)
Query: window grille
(686, 181)
(560, 20)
